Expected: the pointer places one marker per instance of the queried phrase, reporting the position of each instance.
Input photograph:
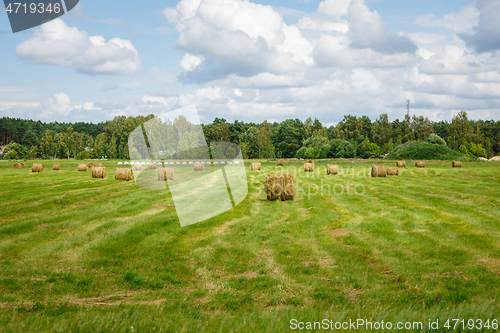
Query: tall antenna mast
(408, 107)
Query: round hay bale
(332, 169)
(401, 164)
(281, 163)
(165, 174)
(83, 167)
(99, 172)
(255, 166)
(19, 166)
(309, 167)
(36, 167)
(392, 171)
(456, 164)
(288, 187)
(94, 165)
(152, 166)
(273, 187)
(137, 167)
(56, 167)
(124, 174)
(379, 171)
(280, 187)
(199, 167)
(420, 164)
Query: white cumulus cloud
(458, 22)
(236, 37)
(58, 44)
(189, 62)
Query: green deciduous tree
(364, 149)
(382, 132)
(266, 147)
(249, 143)
(436, 139)
(459, 128)
(421, 127)
(48, 145)
(287, 138)
(375, 149)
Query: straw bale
(124, 174)
(99, 172)
(309, 167)
(379, 171)
(332, 169)
(255, 166)
(165, 174)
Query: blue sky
(255, 60)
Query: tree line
(352, 137)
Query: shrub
(15, 151)
(301, 153)
(375, 149)
(314, 148)
(230, 153)
(472, 149)
(342, 148)
(364, 149)
(217, 152)
(415, 150)
(436, 140)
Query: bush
(324, 151)
(314, 148)
(472, 149)
(436, 140)
(342, 149)
(415, 150)
(15, 151)
(217, 153)
(364, 149)
(375, 149)
(230, 153)
(301, 153)
(347, 150)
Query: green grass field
(91, 255)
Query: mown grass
(81, 254)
